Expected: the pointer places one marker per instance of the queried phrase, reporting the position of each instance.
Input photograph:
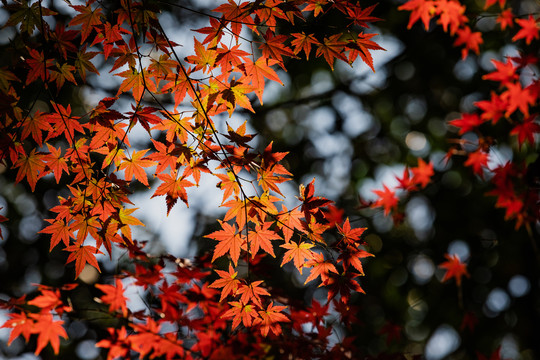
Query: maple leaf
(87, 18)
(252, 292)
(525, 131)
(114, 296)
(505, 73)
(62, 122)
(454, 268)
(260, 238)
(49, 331)
(518, 98)
(270, 318)
(422, 173)
(214, 31)
(228, 282)
(257, 71)
(451, 14)
(117, 343)
(490, 3)
(298, 252)
(467, 122)
(82, 255)
(350, 236)
(64, 72)
(361, 46)
(136, 81)
(331, 48)
(493, 109)
(241, 312)
(173, 187)
(361, 16)
(343, 284)
(235, 94)
(311, 205)
(60, 231)
(529, 30)
(506, 19)
(471, 41)
(56, 163)
(420, 10)
(203, 59)
(274, 47)
(387, 199)
(351, 257)
(236, 14)
(21, 325)
(38, 66)
(230, 241)
(134, 167)
(289, 221)
(319, 267)
(30, 167)
(34, 125)
(303, 42)
(478, 160)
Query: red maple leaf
(505, 73)
(525, 131)
(470, 40)
(506, 19)
(478, 160)
(467, 122)
(350, 236)
(387, 199)
(422, 173)
(529, 29)
(454, 268)
(420, 10)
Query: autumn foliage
(220, 305)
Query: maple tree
(225, 303)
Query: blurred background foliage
(351, 129)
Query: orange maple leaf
(134, 167)
(319, 267)
(298, 252)
(332, 48)
(270, 318)
(49, 331)
(230, 241)
(228, 282)
(114, 296)
(82, 255)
